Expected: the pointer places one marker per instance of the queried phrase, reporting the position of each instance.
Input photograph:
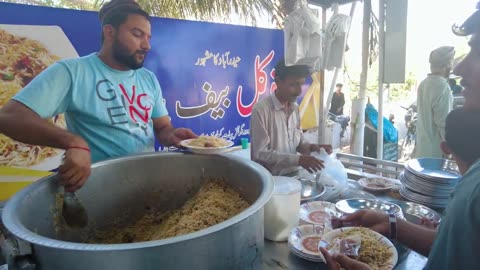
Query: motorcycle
(408, 145)
(343, 120)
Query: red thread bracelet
(79, 147)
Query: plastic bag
(303, 38)
(335, 41)
(349, 246)
(334, 175)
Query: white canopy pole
(321, 108)
(358, 110)
(381, 64)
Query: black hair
(462, 130)
(282, 71)
(470, 26)
(339, 85)
(116, 12)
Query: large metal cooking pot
(119, 190)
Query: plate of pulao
(371, 247)
(27, 50)
(207, 145)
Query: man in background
(336, 108)
(456, 89)
(338, 100)
(434, 102)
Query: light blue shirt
(457, 242)
(112, 110)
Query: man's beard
(447, 73)
(120, 53)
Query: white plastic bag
(334, 174)
(335, 39)
(303, 38)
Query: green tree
(397, 92)
(400, 91)
(203, 10)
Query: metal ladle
(73, 211)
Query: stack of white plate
(429, 181)
(303, 242)
(318, 213)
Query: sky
(429, 25)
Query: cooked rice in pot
(215, 202)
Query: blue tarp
(390, 133)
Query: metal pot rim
(12, 222)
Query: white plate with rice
(207, 145)
(375, 250)
(43, 45)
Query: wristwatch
(392, 220)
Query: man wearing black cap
(113, 106)
(275, 131)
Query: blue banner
(211, 74)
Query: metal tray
(352, 205)
(414, 212)
(433, 168)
